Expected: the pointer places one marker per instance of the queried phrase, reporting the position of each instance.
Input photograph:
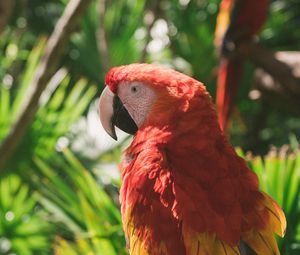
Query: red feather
(185, 191)
(238, 21)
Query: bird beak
(113, 113)
(106, 112)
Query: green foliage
(61, 104)
(122, 18)
(260, 124)
(276, 34)
(80, 207)
(23, 229)
(54, 188)
(193, 40)
(279, 176)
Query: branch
(277, 78)
(272, 64)
(152, 12)
(267, 87)
(54, 51)
(6, 8)
(101, 36)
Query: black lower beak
(121, 118)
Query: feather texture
(238, 21)
(185, 190)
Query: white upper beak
(106, 112)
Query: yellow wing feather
(262, 242)
(277, 220)
(206, 244)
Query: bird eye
(134, 89)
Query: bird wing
(201, 202)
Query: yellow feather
(136, 246)
(194, 242)
(223, 21)
(221, 248)
(277, 219)
(262, 242)
(206, 244)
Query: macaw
(238, 21)
(184, 189)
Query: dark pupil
(134, 89)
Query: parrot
(184, 191)
(238, 21)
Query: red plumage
(229, 78)
(184, 187)
(238, 21)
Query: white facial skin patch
(137, 98)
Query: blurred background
(58, 172)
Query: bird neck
(190, 124)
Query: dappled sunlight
(60, 177)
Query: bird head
(139, 95)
